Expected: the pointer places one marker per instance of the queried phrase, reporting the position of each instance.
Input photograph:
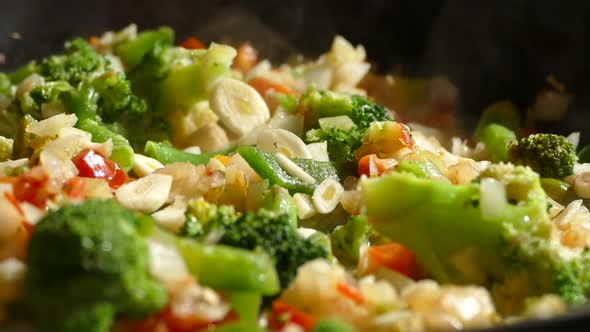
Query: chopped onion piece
(574, 138)
(493, 198)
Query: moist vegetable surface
(149, 184)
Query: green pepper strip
(216, 265)
(167, 154)
(265, 165)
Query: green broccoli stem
(503, 113)
(122, 151)
(347, 239)
(424, 209)
(23, 72)
(266, 166)
(5, 85)
(132, 52)
(496, 139)
(167, 154)
(246, 305)
(216, 265)
(278, 200)
(185, 85)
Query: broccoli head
(347, 239)
(87, 264)
(552, 156)
(116, 96)
(202, 218)
(341, 142)
(494, 232)
(76, 65)
(315, 104)
(274, 234)
(365, 112)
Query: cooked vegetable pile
(148, 185)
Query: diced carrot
(406, 136)
(10, 197)
(246, 58)
(262, 85)
(395, 257)
(192, 43)
(371, 165)
(8, 179)
(283, 313)
(34, 187)
(350, 292)
(364, 165)
(75, 188)
(93, 40)
(169, 321)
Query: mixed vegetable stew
(155, 185)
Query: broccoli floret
(341, 142)
(274, 234)
(552, 156)
(202, 218)
(116, 97)
(76, 65)
(315, 104)
(87, 264)
(365, 112)
(270, 231)
(459, 238)
(347, 239)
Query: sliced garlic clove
(97, 188)
(195, 149)
(53, 125)
(146, 194)
(210, 138)
(172, 217)
(304, 205)
(319, 151)
(144, 166)
(215, 165)
(238, 105)
(327, 195)
(283, 141)
(306, 232)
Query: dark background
(491, 49)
